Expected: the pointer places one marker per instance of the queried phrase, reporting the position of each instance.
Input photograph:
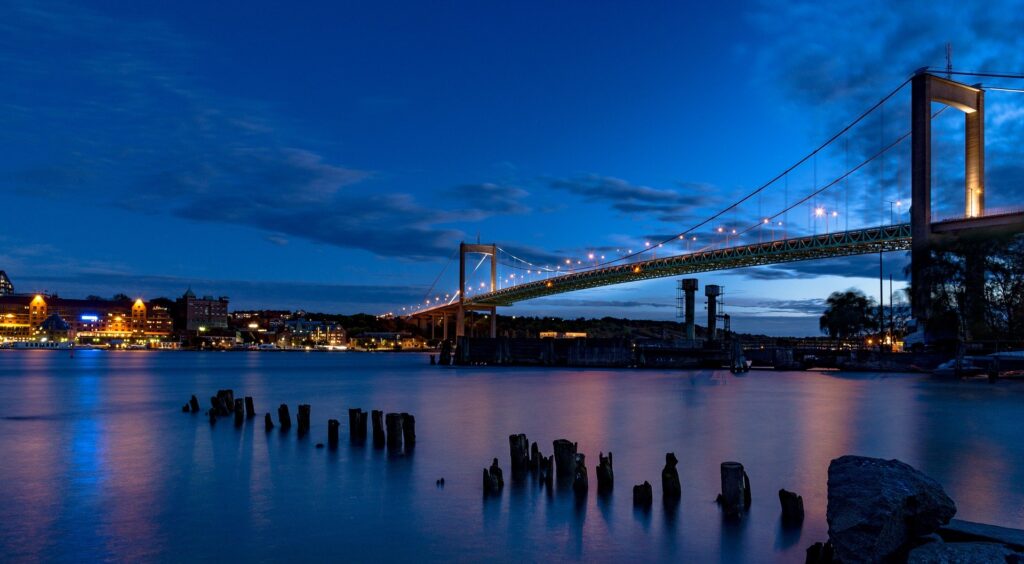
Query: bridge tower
(460, 318)
(925, 89)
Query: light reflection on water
(99, 463)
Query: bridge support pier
(926, 88)
(712, 292)
(689, 286)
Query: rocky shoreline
(887, 511)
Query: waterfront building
(6, 286)
(93, 321)
(203, 314)
(563, 335)
(400, 340)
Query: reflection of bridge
(920, 236)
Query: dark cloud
(858, 266)
(632, 199)
(592, 303)
(491, 198)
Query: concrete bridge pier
(689, 286)
(712, 292)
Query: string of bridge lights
(531, 270)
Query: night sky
(331, 157)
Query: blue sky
(331, 156)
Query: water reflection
(100, 463)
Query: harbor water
(99, 462)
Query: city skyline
(332, 158)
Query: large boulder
(877, 507)
(959, 553)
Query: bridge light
(590, 256)
(835, 214)
(567, 261)
(766, 221)
(733, 231)
(819, 212)
(636, 269)
(720, 229)
(602, 257)
(647, 243)
(694, 238)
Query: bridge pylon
(460, 318)
(925, 89)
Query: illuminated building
(203, 314)
(6, 287)
(561, 335)
(93, 321)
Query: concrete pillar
(974, 159)
(690, 287)
(712, 292)
(921, 193)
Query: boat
(43, 345)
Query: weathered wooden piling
(546, 469)
(565, 458)
(792, 507)
(670, 487)
(239, 414)
(268, 422)
(735, 496)
(356, 425)
(493, 480)
(303, 418)
(605, 474)
(579, 477)
(643, 495)
(332, 432)
(250, 408)
(518, 450)
(393, 423)
(284, 417)
(377, 418)
(534, 457)
(193, 404)
(409, 430)
(225, 402)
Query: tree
(849, 314)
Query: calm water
(98, 462)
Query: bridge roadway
(838, 244)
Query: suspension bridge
(919, 236)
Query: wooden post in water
(493, 479)
(519, 448)
(579, 480)
(239, 413)
(356, 425)
(268, 423)
(605, 475)
(377, 418)
(250, 408)
(284, 417)
(393, 422)
(735, 496)
(643, 495)
(193, 404)
(792, 507)
(409, 430)
(303, 418)
(332, 432)
(565, 459)
(670, 487)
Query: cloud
(857, 266)
(666, 205)
(142, 134)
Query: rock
(670, 487)
(960, 553)
(565, 459)
(643, 495)
(184, 408)
(820, 553)
(518, 450)
(579, 478)
(193, 404)
(792, 507)
(605, 474)
(965, 531)
(877, 507)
